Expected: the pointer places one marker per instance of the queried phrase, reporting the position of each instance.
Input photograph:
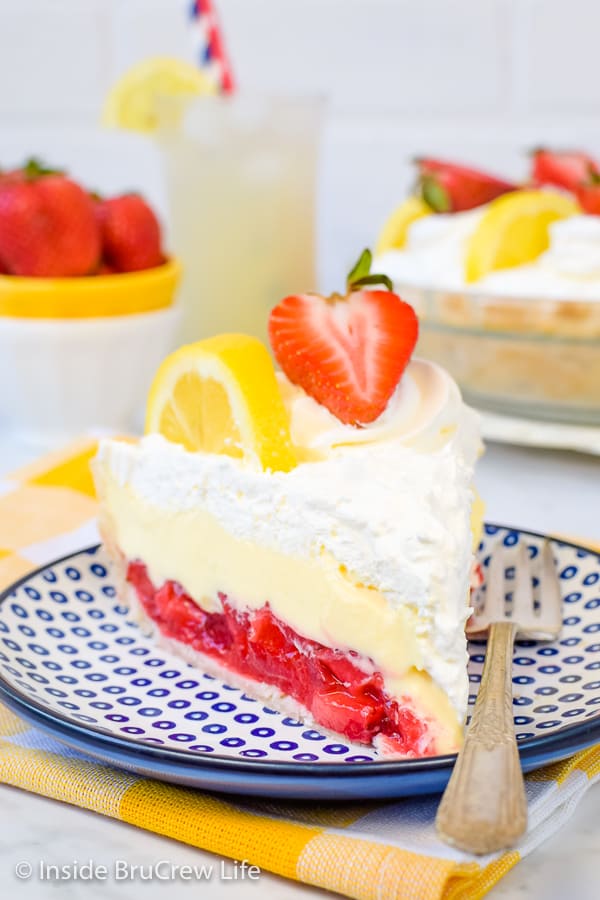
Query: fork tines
(541, 623)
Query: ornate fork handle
(484, 808)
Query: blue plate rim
(581, 734)
(305, 782)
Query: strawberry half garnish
(348, 353)
(447, 187)
(588, 195)
(562, 169)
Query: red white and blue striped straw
(210, 49)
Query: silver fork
(484, 808)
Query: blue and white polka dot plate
(74, 663)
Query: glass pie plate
(533, 358)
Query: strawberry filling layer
(257, 645)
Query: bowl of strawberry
(87, 304)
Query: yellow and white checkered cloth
(384, 850)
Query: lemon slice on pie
(134, 101)
(514, 231)
(395, 231)
(221, 395)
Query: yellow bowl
(96, 296)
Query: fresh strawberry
(12, 175)
(563, 169)
(348, 353)
(47, 225)
(588, 196)
(447, 187)
(131, 236)
(106, 269)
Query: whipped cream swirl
(435, 252)
(424, 412)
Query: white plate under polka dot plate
(73, 663)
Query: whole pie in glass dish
(508, 290)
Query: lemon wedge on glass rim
(221, 395)
(134, 102)
(513, 230)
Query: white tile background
(480, 80)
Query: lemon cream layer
(367, 548)
(435, 251)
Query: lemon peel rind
(394, 233)
(484, 246)
(243, 367)
(131, 102)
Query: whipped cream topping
(568, 270)
(574, 250)
(393, 514)
(435, 252)
(425, 410)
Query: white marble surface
(536, 489)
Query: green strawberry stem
(360, 274)
(434, 194)
(35, 168)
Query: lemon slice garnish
(395, 231)
(221, 395)
(134, 101)
(514, 231)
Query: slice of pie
(306, 535)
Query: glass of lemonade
(241, 179)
